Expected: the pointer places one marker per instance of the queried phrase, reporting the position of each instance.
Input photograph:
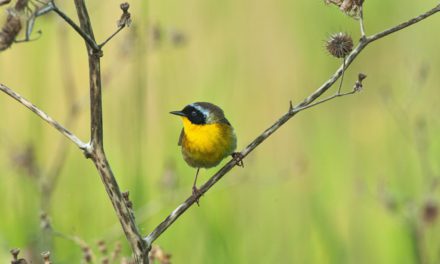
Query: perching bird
(207, 137)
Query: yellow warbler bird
(207, 137)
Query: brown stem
(98, 156)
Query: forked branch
(95, 148)
(138, 245)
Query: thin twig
(404, 24)
(361, 21)
(342, 76)
(176, 213)
(324, 100)
(83, 146)
(123, 22)
(111, 36)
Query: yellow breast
(204, 146)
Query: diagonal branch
(83, 146)
(176, 213)
(405, 24)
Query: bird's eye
(194, 113)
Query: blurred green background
(351, 181)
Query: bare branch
(95, 149)
(404, 24)
(138, 245)
(307, 103)
(111, 36)
(83, 146)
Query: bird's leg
(194, 188)
(238, 158)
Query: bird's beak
(179, 113)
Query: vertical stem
(95, 77)
(342, 76)
(361, 22)
(138, 245)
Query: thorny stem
(306, 103)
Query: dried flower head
(46, 257)
(102, 246)
(45, 221)
(87, 254)
(430, 212)
(349, 7)
(358, 86)
(9, 30)
(116, 252)
(178, 38)
(125, 20)
(339, 45)
(15, 259)
(158, 254)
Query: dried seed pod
(10, 30)
(430, 212)
(158, 254)
(46, 257)
(21, 5)
(125, 19)
(339, 45)
(349, 7)
(102, 246)
(15, 259)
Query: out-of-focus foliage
(350, 181)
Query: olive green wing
(225, 121)
(180, 138)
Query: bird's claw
(196, 194)
(238, 157)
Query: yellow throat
(206, 145)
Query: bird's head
(201, 113)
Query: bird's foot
(238, 158)
(196, 194)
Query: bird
(206, 138)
